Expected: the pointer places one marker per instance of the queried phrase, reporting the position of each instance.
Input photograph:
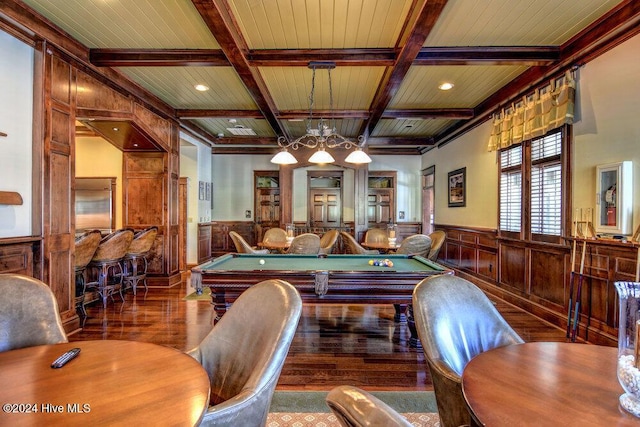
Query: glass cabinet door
(614, 198)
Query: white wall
(195, 164)
(607, 127)
(409, 191)
(232, 177)
(468, 151)
(16, 118)
(605, 130)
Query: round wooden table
(381, 246)
(280, 247)
(545, 384)
(109, 383)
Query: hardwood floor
(334, 344)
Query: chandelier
(323, 134)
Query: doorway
(325, 198)
(428, 198)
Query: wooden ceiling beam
(488, 55)
(158, 58)
(216, 14)
(185, 113)
(366, 57)
(420, 22)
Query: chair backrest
(307, 243)
(437, 239)
(376, 235)
(416, 244)
(354, 407)
(29, 313)
(86, 245)
(277, 235)
(455, 322)
(143, 241)
(245, 351)
(114, 246)
(242, 247)
(352, 246)
(328, 241)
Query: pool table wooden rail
(380, 285)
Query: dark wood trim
(217, 16)
(424, 19)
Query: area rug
(308, 409)
(320, 419)
(204, 296)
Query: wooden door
(326, 207)
(268, 207)
(380, 206)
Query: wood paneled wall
(537, 276)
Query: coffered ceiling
(390, 56)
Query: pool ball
(261, 262)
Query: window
(511, 189)
(533, 211)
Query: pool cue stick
(574, 331)
(571, 279)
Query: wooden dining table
(383, 246)
(545, 384)
(110, 382)
(279, 247)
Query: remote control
(67, 356)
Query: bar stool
(135, 262)
(106, 264)
(85, 248)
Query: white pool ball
(261, 262)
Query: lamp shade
(284, 158)
(322, 157)
(358, 156)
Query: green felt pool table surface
(340, 279)
(344, 263)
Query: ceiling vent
(241, 130)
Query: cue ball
(261, 262)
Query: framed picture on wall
(207, 191)
(457, 187)
(211, 195)
(200, 190)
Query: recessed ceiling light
(115, 129)
(202, 88)
(445, 86)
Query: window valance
(536, 114)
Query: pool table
(319, 278)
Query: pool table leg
(219, 305)
(414, 341)
(400, 316)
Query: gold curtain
(535, 115)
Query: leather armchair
(354, 407)
(242, 247)
(328, 241)
(29, 313)
(245, 351)
(376, 235)
(352, 246)
(416, 244)
(455, 322)
(307, 243)
(437, 240)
